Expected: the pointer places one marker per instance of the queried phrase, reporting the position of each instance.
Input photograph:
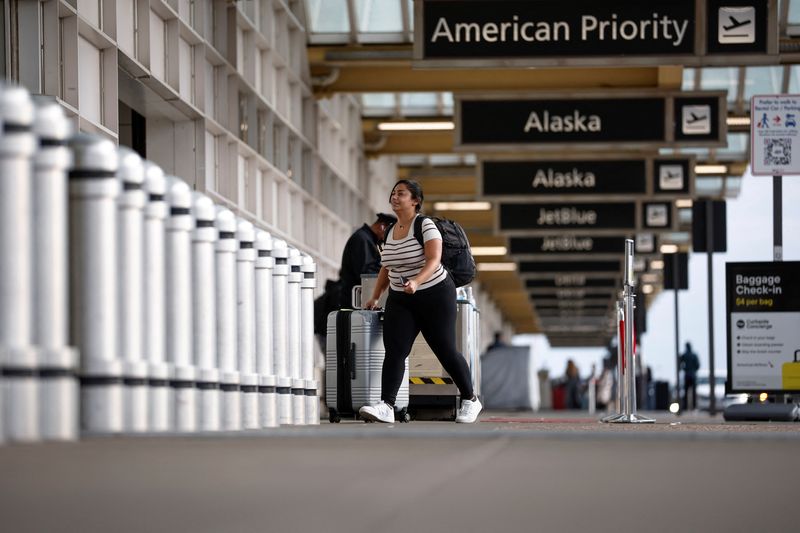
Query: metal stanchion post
(629, 414)
(620, 365)
(58, 387)
(18, 358)
(130, 279)
(226, 320)
(93, 192)
(204, 238)
(156, 213)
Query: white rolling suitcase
(354, 362)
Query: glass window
(419, 104)
(726, 79)
(708, 185)
(794, 78)
(689, 76)
(327, 16)
(90, 72)
(378, 104)
(736, 149)
(762, 80)
(794, 11)
(379, 16)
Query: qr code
(778, 151)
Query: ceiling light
(497, 267)
(657, 264)
(711, 169)
(683, 203)
(647, 289)
(669, 248)
(738, 121)
(649, 278)
(416, 126)
(462, 206)
(489, 250)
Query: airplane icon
(671, 175)
(695, 118)
(734, 23)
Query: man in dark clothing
(690, 363)
(362, 256)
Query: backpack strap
(418, 230)
(386, 234)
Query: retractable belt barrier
(626, 367)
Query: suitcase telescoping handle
(796, 353)
(351, 360)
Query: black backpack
(456, 255)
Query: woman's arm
(380, 286)
(433, 258)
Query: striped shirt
(406, 257)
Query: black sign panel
(561, 121)
(719, 233)
(509, 29)
(569, 266)
(535, 216)
(566, 244)
(676, 271)
(520, 33)
(737, 26)
(572, 281)
(549, 178)
(763, 312)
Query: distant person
(361, 255)
(498, 342)
(572, 381)
(690, 364)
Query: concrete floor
(509, 472)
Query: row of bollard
(130, 303)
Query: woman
(422, 297)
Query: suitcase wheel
(334, 417)
(404, 417)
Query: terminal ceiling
(364, 47)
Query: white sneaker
(381, 412)
(469, 411)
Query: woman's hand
(372, 304)
(410, 286)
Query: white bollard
(268, 406)
(17, 356)
(298, 402)
(284, 391)
(204, 238)
(307, 285)
(179, 304)
(280, 355)
(264, 363)
(93, 192)
(130, 265)
(58, 386)
(226, 247)
(155, 269)
(294, 334)
(246, 321)
(312, 403)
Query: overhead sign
(572, 280)
(596, 120)
(763, 308)
(516, 33)
(590, 218)
(569, 266)
(504, 178)
(774, 137)
(565, 245)
(581, 292)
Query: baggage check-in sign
(591, 120)
(536, 33)
(774, 134)
(763, 308)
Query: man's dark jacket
(360, 256)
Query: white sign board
(774, 134)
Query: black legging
(433, 312)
